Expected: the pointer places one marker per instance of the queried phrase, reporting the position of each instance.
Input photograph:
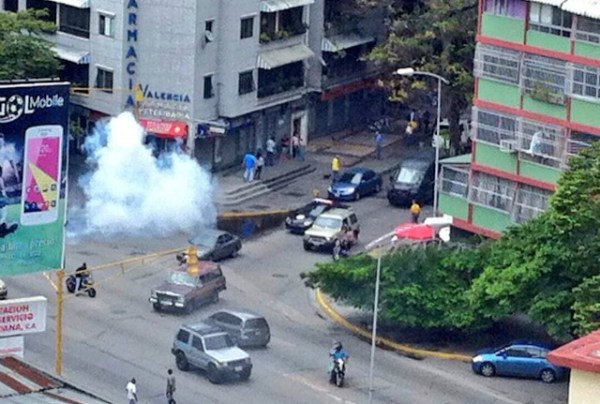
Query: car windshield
(410, 175)
(182, 278)
(257, 323)
(328, 223)
(220, 341)
(351, 178)
(317, 210)
(208, 240)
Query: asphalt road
(117, 336)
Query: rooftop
(582, 354)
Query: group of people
(131, 389)
(254, 163)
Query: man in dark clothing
(80, 275)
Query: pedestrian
(378, 145)
(260, 163)
(335, 167)
(170, 387)
(131, 392)
(426, 122)
(285, 146)
(295, 145)
(249, 165)
(301, 149)
(415, 211)
(271, 151)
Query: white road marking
(315, 387)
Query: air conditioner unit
(508, 146)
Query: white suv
(329, 227)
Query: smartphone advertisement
(33, 129)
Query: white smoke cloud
(130, 191)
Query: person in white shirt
(131, 392)
(271, 151)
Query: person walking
(131, 392)
(415, 211)
(170, 387)
(378, 145)
(271, 151)
(249, 165)
(301, 149)
(335, 168)
(260, 163)
(295, 145)
(285, 147)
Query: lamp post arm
(440, 78)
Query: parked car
(185, 291)
(244, 328)
(329, 227)
(3, 290)
(414, 180)
(215, 245)
(517, 359)
(208, 348)
(301, 219)
(355, 183)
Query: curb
(251, 213)
(324, 302)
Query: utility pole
(59, 318)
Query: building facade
(219, 76)
(536, 103)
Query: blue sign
(131, 56)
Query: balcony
(282, 25)
(279, 80)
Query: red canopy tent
(415, 231)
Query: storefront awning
(72, 55)
(165, 129)
(555, 3)
(74, 3)
(271, 6)
(279, 57)
(586, 8)
(340, 42)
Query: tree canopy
(24, 54)
(546, 268)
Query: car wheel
(245, 375)
(548, 375)
(213, 376)
(487, 369)
(189, 307)
(182, 362)
(156, 306)
(356, 196)
(306, 247)
(234, 253)
(215, 297)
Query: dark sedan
(214, 245)
(356, 183)
(303, 218)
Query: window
(43, 5)
(104, 80)
(74, 21)
(208, 87)
(509, 8)
(107, 25)
(490, 191)
(183, 336)
(197, 343)
(11, 5)
(246, 82)
(588, 29)
(455, 181)
(208, 25)
(549, 19)
(579, 141)
(531, 201)
(247, 27)
(541, 143)
(586, 81)
(497, 63)
(492, 127)
(544, 79)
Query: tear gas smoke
(131, 191)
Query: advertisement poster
(33, 150)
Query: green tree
(436, 36)
(24, 54)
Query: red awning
(166, 129)
(414, 231)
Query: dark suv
(206, 347)
(244, 328)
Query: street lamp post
(376, 243)
(409, 71)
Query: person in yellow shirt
(415, 211)
(335, 168)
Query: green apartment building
(536, 103)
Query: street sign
(12, 346)
(23, 316)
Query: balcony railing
(278, 87)
(282, 34)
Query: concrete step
(254, 189)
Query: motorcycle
(87, 283)
(338, 372)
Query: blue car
(355, 183)
(522, 360)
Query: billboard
(34, 122)
(23, 316)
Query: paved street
(117, 336)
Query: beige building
(582, 356)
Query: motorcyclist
(337, 352)
(81, 275)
